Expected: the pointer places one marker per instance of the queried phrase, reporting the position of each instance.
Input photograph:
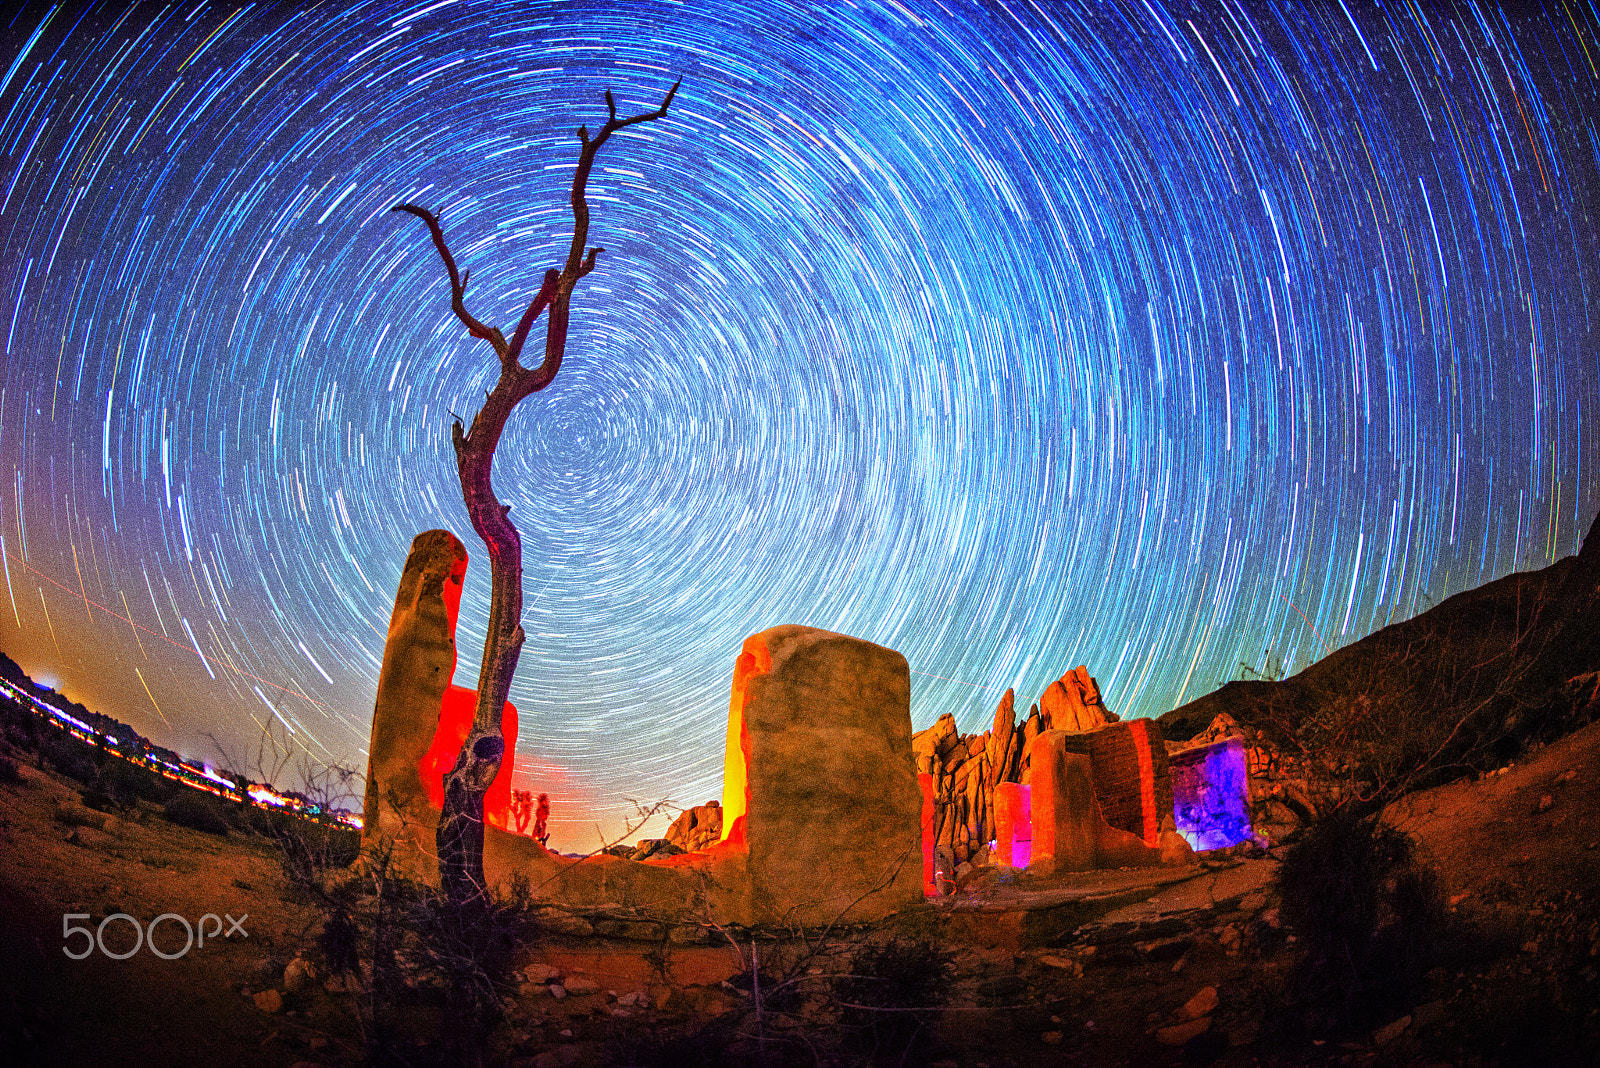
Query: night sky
(1157, 337)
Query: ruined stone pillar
(1013, 818)
(419, 658)
(419, 719)
(1064, 816)
(819, 777)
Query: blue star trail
(1181, 341)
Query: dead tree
(460, 835)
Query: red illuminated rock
(1013, 821)
(455, 719)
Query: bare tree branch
(458, 281)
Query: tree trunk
(460, 833)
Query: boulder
(697, 827)
(1072, 703)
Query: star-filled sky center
(1183, 341)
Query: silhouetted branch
(458, 281)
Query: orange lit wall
(455, 719)
(753, 661)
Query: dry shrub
(197, 811)
(1369, 916)
(893, 989)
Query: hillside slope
(1462, 687)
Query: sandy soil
(1052, 980)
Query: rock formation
(822, 817)
(1072, 703)
(967, 769)
(697, 828)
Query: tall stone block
(419, 658)
(419, 719)
(820, 742)
(1013, 820)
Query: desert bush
(471, 945)
(716, 1044)
(893, 989)
(307, 849)
(340, 938)
(197, 811)
(8, 770)
(429, 974)
(68, 756)
(1368, 914)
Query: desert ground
(1129, 967)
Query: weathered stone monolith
(419, 719)
(821, 777)
(419, 658)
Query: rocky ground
(1117, 968)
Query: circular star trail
(1180, 341)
